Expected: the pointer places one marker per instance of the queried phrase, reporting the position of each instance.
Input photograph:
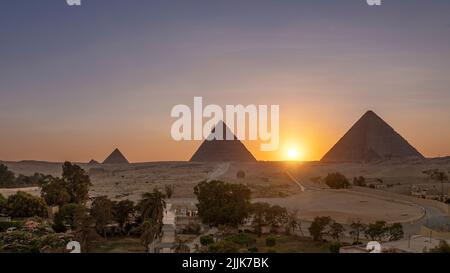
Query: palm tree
(357, 228)
(149, 232)
(152, 206)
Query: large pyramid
(371, 139)
(222, 150)
(116, 157)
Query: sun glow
(294, 154)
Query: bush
(334, 247)
(253, 250)
(242, 239)
(271, 241)
(23, 204)
(337, 181)
(223, 246)
(206, 240)
(13, 224)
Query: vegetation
(271, 241)
(206, 240)
(23, 204)
(359, 181)
(77, 183)
(102, 212)
(443, 247)
(222, 203)
(319, 226)
(440, 176)
(123, 212)
(273, 216)
(336, 181)
(65, 217)
(357, 228)
(240, 174)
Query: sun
(293, 154)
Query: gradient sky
(76, 82)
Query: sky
(77, 82)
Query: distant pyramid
(116, 157)
(222, 150)
(93, 162)
(371, 139)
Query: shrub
(271, 241)
(334, 247)
(206, 240)
(242, 239)
(337, 181)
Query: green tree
(276, 216)
(336, 231)
(65, 217)
(271, 241)
(318, 227)
(376, 231)
(359, 181)
(2, 204)
(150, 231)
(337, 181)
(357, 228)
(395, 232)
(54, 191)
(23, 204)
(123, 211)
(259, 211)
(222, 203)
(83, 222)
(152, 205)
(6, 176)
(102, 212)
(206, 240)
(78, 182)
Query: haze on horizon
(77, 82)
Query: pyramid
(222, 150)
(371, 139)
(93, 162)
(116, 157)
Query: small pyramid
(371, 139)
(222, 150)
(93, 162)
(116, 157)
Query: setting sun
(293, 154)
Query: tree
(123, 211)
(258, 211)
(6, 177)
(83, 222)
(222, 203)
(318, 227)
(276, 216)
(169, 189)
(102, 212)
(23, 204)
(206, 240)
(357, 227)
(150, 230)
(440, 176)
(376, 231)
(78, 182)
(240, 174)
(336, 231)
(359, 181)
(293, 222)
(271, 241)
(152, 206)
(54, 191)
(2, 204)
(337, 181)
(443, 247)
(65, 217)
(395, 232)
